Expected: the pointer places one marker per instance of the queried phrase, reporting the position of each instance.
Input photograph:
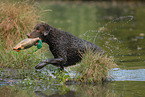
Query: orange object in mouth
(36, 43)
(16, 49)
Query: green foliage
(33, 77)
(61, 76)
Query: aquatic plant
(61, 76)
(94, 67)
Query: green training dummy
(39, 45)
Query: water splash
(104, 33)
(122, 19)
(127, 75)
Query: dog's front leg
(49, 61)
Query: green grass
(23, 59)
(94, 67)
(16, 20)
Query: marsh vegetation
(120, 34)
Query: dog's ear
(45, 33)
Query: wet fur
(65, 47)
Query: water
(117, 27)
(127, 75)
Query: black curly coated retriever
(65, 47)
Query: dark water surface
(111, 89)
(117, 27)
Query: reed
(16, 20)
(94, 67)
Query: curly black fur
(65, 47)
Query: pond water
(117, 27)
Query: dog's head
(40, 30)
